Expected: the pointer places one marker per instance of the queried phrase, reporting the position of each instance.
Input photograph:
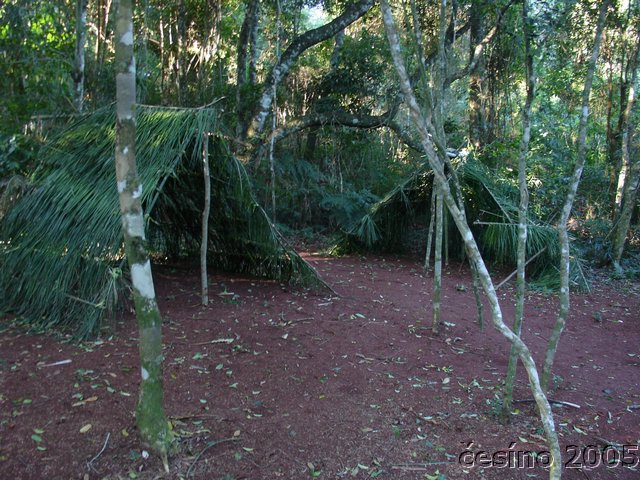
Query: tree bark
(244, 78)
(477, 117)
(628, 175)
(522, 212)
(78, 67)
(432, 216)
(204, 244)
(150, 416)
(437, 263)
(563, 234)
(424, 128)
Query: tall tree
(436, 156)
(78, 67)
(477, 80)
(150, 416)
(563, 227)
(629, 174)
(523, 220)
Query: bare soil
(271, 382)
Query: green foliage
(489, 203)
(35, 51)
(17, 154)
(324, 204)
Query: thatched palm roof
(61, 244)
(489, 204)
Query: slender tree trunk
(624, 220)
(563, 234)
(204, 245)
(432, 216)
(274, 122)
(150, 417)
(253, 46)
(522, 213)
(162, 57)
(104, 40)
(437, 264)
(182, 53)
(477, 116)
(628, 176)
(475, 281)
(81, 40)
(243, 72)
(425, 131)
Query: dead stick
(193, 415)
(288, 323)
(418, 466)
(510, 276)
(106, 441)
(556, 402)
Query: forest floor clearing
(271, 381)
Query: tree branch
(479, 49)
(295, 49)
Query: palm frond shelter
(61, 253)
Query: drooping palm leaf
(61, 243)
(490, 206)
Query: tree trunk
(274, 122)
(628, 175)
(477, 117)
(78, 67)
(563, 234)
(432, 216)
(150, 417)
(204, 245)
(182, 54)
(244, 78)
(624, 220)
(426, 130)
(522, 213)
(437, 264)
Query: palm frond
(61, 243)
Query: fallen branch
(553, 402)
(193, 415)
(90, 462)
(510, 276)
(288, 323)
(217, 340)
(55, 364)
(418, 467)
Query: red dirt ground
(271, 382)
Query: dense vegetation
(340, 139)
(352, 117)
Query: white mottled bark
(204, 279)
(150, 417)
(522, 212)
(563, 234)
(437, 264)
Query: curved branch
(479, 48)
(339, 118)
(291, 54)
